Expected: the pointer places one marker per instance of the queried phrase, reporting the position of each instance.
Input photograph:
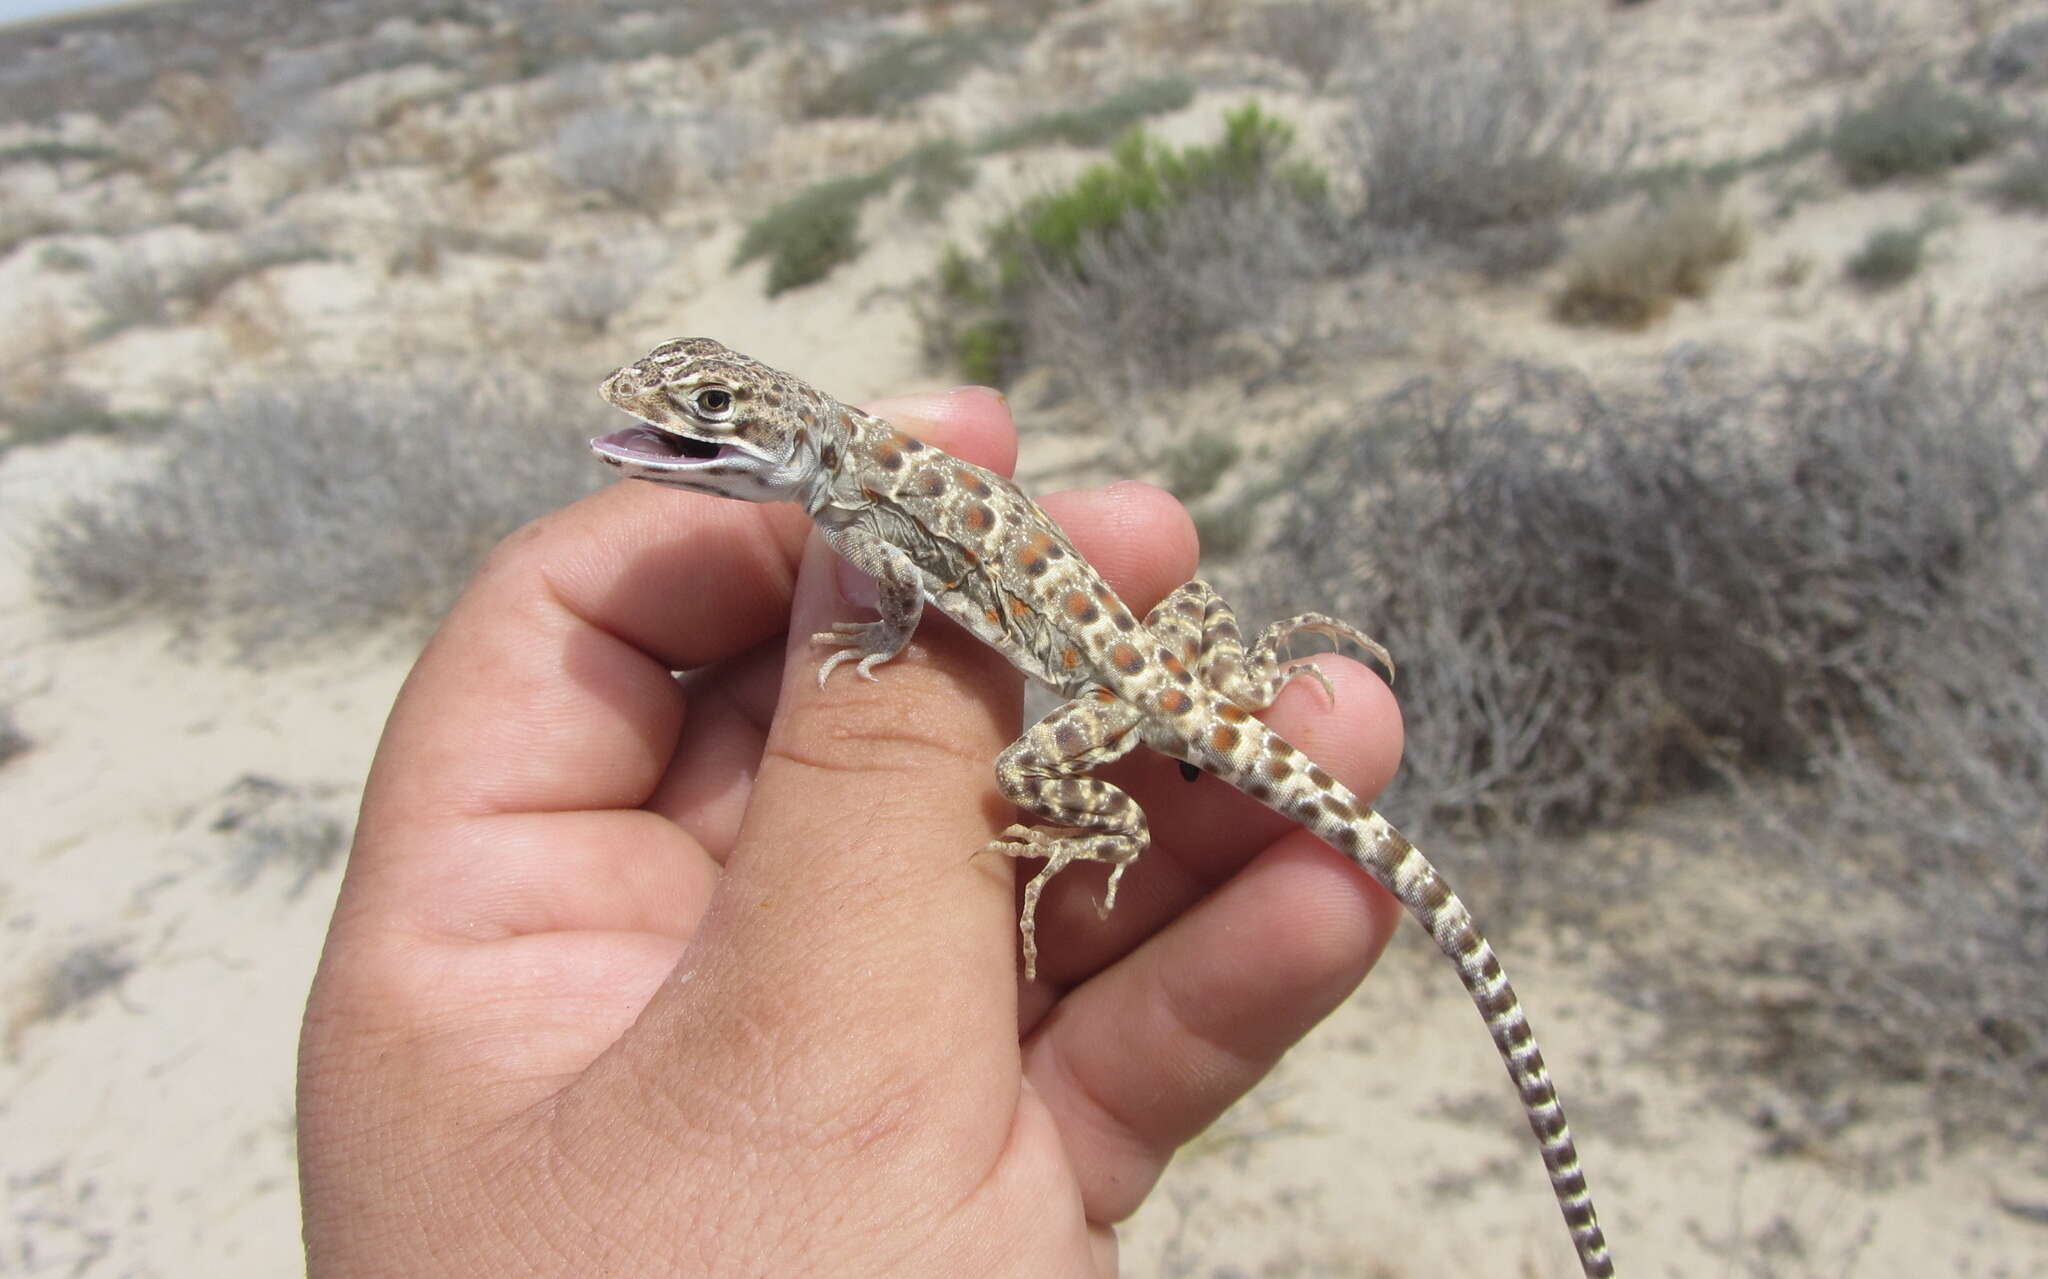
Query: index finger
(548, 687)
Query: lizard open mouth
(651, 447)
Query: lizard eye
(713, 402)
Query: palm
(629, 975)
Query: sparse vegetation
(1096, 125)
(1132, 272)
(629, 157)
(76, 978)
(1914, 127)
(1315, 37)
(51, 411)
(2016, 56)
(906, 68)
(1828, 573)
(1847, 39)
(13, 742)
(587, 289)
(271, 824)
(2023, 183)
(808, 236)
(1628, 277)
(140, 283)
(1479, 122)
(1890, 256)
(319, 508)
(938, 171)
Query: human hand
(633, 974)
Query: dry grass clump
(1826, 573)
(71, 981)
(1628, 277)
(315, 508)
(1476, 122)
(1315, 37)
(1846, 39)
(270, 824)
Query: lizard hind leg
(1200, 624)
(1043, 771)
(1268, 666)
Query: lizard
(931, 528)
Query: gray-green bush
(630, 157)
(313, 509)
(1826, 572)
(903, 69)
(1474, 121)
(1890, 256)
(1914, 127)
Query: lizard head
(714, 421)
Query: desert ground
(1783, 960)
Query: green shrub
(1914, 127)
(1144, 177)
(1629, 277)
(1197, 465)
(1132, 253)
(816, 231)
(1096, 125)
(1891, 256)
(809, 235)
(938, 170)
(908, 68)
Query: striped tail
(1321, 803)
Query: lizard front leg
(899, 599)
(1042, 772)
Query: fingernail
(974, 388)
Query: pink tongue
(639, 441)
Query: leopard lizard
(929, 527)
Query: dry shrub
(1315, 37)
(1145, 306)
(629, 157)
(1474, 121)
(585, 290)
(320, 508)
(1827, 573)
(1846, 39)
(1628, 277)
